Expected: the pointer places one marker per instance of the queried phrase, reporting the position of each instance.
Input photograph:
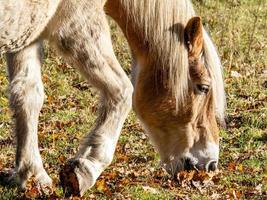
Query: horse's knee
(121, 89)
(26, 88)
(25, 94)
(126, 92)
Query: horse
(177, 88)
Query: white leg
(26, 100)
(95, 59)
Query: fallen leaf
(235, 74)
(102, 187)
(259, 188)
(237, 194)
(62, 158)
(198, 179)
(110, 175)
(240, 168)
(49, 100)
(32, 193)
(231, 166)
(184, 177)
(76, 198)
(201, 176)
(125, 181)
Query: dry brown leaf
(101, 185)
(111, 175)
(196, 179)
(231, 166)
(49, 100)
(184, 177)
(62, 158)
(201, 176)
(32, 193)
(235, 194)
(76, 198)
(240, 168)
(122, 157)
(125, 181)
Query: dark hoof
(69, 180)
(77, 176)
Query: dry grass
(238, 28)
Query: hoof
(41, 181)
(76, 177)
(44, 183)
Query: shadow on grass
(9, 183)
(7, 179)
(6, 142)
(263, 138)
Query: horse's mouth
(189, 164)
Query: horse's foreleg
(94, 57)
(26, 100)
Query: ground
(238, 28)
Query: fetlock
(27, 170)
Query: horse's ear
(194, 36)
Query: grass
(238, 29)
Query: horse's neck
(134, 37)
(140, 49)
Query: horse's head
(199, 129)
(188, 138)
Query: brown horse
(178, 86)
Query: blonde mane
(213, 63)
(161, 24)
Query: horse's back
(21, 22)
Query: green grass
(238, 28)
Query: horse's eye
(202, 88)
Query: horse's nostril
(211, 166)
(188, 165)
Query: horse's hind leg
(95, 59)
(26, 99)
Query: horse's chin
(174, 165)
